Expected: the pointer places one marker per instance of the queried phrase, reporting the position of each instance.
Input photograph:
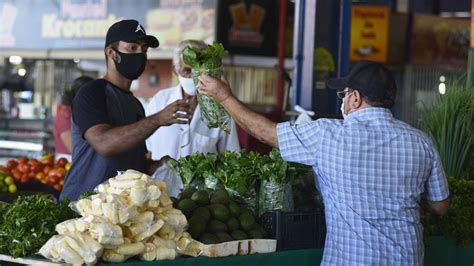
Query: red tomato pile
(45, 170)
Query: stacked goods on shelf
(214, 217)
(44, 170)
(132, 215)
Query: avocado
(245, 210)
(246, 222)
(224, 237)
(239, 235)
(186, 193)
(233, 224)
(201, 197)
(220, 196)
(196, 227)
(255, 233)
(208, 238)
(203, 213)
(187, 206)
(262, 230)
(234, 209)
(219, 212)
(216, 226)
(219, 186)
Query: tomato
(61, 172)
(53, 179)
(33, 162)
(39, 176)
(58, 187)
(22, 160)
(31, 175)
(24, 168)
(48, 161)
(16, 174)
(46, 169)
(24, 178)
(12, 164)
(61, 162)
(37, 168)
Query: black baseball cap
(129, 30)
(371, 79)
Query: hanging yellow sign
(369, 33)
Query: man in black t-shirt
(109, 127)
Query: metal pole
(303, 53)
(281, 55)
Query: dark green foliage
(458, 222)
(28, 222)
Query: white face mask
(187, 85)
(344, 115)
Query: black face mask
(131, 66)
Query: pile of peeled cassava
(131, 215)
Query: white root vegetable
(47, 249)
(150, 231)
(144, 217)
(150, 252)
(66, 227)
(112, 256)
(128, 176)
(131, 249)
(166, 232)
(138, 195)
(165, 254)
(67, 253)
(153, 192)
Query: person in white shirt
(181, 140)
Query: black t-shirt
(100, 102)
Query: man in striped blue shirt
(374, 171)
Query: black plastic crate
(295, 230)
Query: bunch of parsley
(28, 222)
(208, 61)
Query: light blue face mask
(188, 85)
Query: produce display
(28, 222)
(131, 215)
(7, 183)
(214, 217)
(208, 61)
(239, 172)
(44, 170)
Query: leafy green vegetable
(457, 223)
(209, 58)
(29, 221)
(237, 170)
(208, 61)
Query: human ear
(357, 99)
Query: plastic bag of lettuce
(208, 61)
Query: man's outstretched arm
(255, 124)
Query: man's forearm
(255, 124)
(108, 141)
(435, 207)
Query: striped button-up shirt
(372, 171)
